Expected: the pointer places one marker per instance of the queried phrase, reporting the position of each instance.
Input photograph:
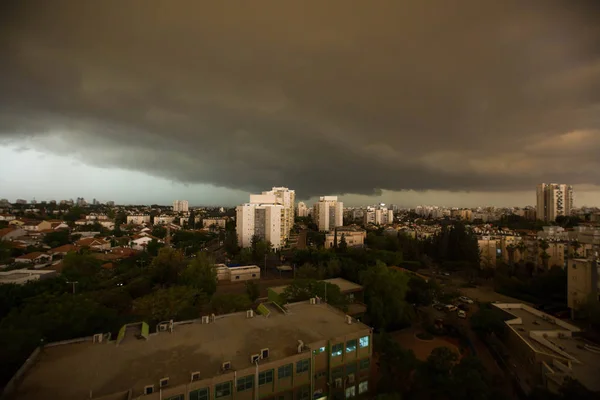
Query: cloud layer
(325, 97)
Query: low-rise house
(237, 274)
(34, 258)
(140, 242)
(98, 244)
(11, 233)
(63, 250)
(138, 219)
(37, 226)
(7, 217)
(353, 235)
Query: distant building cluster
(180, 206)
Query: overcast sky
(409, 102)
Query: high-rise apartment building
(180, 206)
(314, 351)
(328, 213)
(302, 210)
(287, 198)
(262, 217)
(553, 200)
(378, 216)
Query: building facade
(553, 200)
(328, 213)
(354, 236)
(583, 283)
(287, 198)
(180, 206)
(380, 215)
(263, 220)
(302, 209)
(314, 351)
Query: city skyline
(227, 101)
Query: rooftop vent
(264, 353)
(98, 337)
(348, 320)
(300, 346)
(313, 300)
(164, 382)
(206, 319)
(254, 358)
(195, 376)
(212, 317)
(149, 389)
(250, 314)
(226, 366)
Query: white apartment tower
(261, 217)
(553, 200)
(287, 198)
(328, 213)
(180, 206)
(378, 216)
(302, 210)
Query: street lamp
(73, 283)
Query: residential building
(488, 252)
(93, 243)
(138, 219)
(328, 213)
(583, 282)
(544, 350)
(379, 215)
(7, 217)
(237, 274)
(312, 351)
(287, 198)
(110, 203)
(36, 226)
(263, 220)
(11, 233)
(553, 200)
(36, 257)
(163, 219)
(180, 206)
(302, 210)
(214, 221)
(353, 235)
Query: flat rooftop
(550, 335)
(70, 371)
(344, 285)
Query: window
(350, 346)
(350, 392)
(302, 366)
(303, 393)
(363, 342)
(319, 351)
(199, 394)
(222, 390)
(178, 397)
(320, 374)
(350, 368)
(265, 377)
(363, 387)
(237, 277)
(245, 383)
(336, 350)
(365, 364)
(284, 371)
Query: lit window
(265, 377)
(363, 342)
(284, 371)
(350, 346)
(350, 392)
(336, 350)
(363, 387)
(222, 390)
(245, 383)
(302, 366)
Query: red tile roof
(5, 231)
(64, 249)
(32, 256)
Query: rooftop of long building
(73, 371)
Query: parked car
(450, 307)
(462, 314)
(465, 299)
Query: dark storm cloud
(322, 96)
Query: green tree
(396, 366)
(229, 303)
(252, 290)
(333, 268)
(260, 248)
(231, 243)
(176, 302)
(488, 320)
(57, 238)
(154, 247)
(192, 220)
(159, 231)
(167, 266)
(343, 244)
(84, 269)
(420, 292)
(308, 271)
(201, 274)
(385, 293)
